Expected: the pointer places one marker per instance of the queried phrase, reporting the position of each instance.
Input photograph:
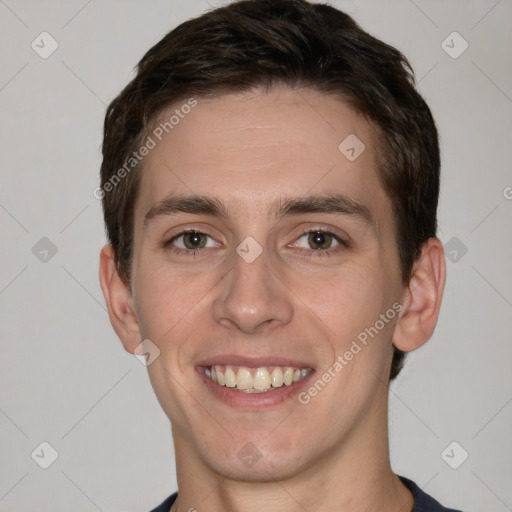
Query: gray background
(65, 378)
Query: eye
(191, 241)
(318, 240)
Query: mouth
(255, 380)
(251, 383)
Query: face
(265, 270)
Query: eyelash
(310, 253)
(189, 252)
(322, 253)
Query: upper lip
(252, 362)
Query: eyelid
(335, 237)
(169, 241)
(200, 228)
(342, 239)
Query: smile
(255, 380)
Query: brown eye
(320, 240)
(194, 240)
(190, 241)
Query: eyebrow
(289, 206)
(328, 203)
(187, 204)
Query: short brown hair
(260, 43)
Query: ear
(422, 298)
(119, 301)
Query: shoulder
(422, 501)
(167, 504)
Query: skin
(250, 150)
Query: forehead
(259, 146)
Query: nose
(252, 297)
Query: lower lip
(243, 400)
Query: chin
(245, 461)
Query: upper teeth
(255, 379)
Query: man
(270, 182)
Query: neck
(355, 475)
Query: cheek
(350, 305)
(166, 299)
(346, 301)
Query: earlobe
(119, 301)
(422, 298)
